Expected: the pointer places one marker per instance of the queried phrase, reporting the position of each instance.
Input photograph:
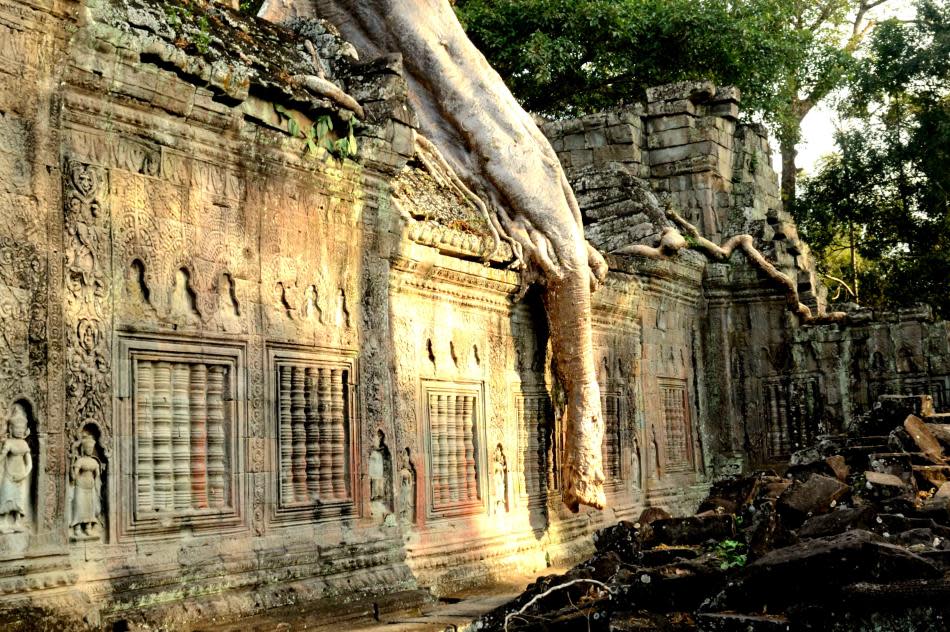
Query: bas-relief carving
(407, 489)
(500, 480)
(379, 469)
(86, 493)
(17, 505)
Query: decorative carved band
(87, 301)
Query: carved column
(468, 426)
(326, 449)
(437, 407)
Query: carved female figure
(500, 479)
(16, 465)
(86, 476)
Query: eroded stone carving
(16, 468)
(407, 489)
(380, 478)
(88, 376)
(86, 471)
(500, 479)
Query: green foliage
(202, 39)
(322, 135)
(732, 554)
(251, 7)
(886, 192)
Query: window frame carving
(474, 388)
(295, 513)
(131, 349)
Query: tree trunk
(496, 149)
(789, 175)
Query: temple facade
(256, 354)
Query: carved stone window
(794, 413)
(182, 428)
(453, 432)
(677, 429)
(314, 402)
(611, 406)
(537, 456)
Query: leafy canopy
(568, 57)
(885, 194)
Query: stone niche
(240, 373)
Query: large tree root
(672, 242)
(502, 158)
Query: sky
(818, 128)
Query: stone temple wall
(244, 367)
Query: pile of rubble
(853, 535)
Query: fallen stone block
(690, 530)
(816, 569)
(622, 538)
(839, 521)
(880, 487)
(816, 495)
(926, 442)
(931, 476)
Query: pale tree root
(520, 612)
(495, 148)
(436, 164)
(672, 242)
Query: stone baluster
(181, 437)
(144, 455)
(162, 435)
(326, 452)
(313, 434)
(438, 440)
(298, 423)
(216, 436)
(471, 474)
(198, 385)
(458, 456)
(286, 437)
(338, 433)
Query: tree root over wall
(672, 242)
(475, 126)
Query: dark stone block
(839, 521)
(816, 495)
(690, 530)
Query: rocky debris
(856, 532)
